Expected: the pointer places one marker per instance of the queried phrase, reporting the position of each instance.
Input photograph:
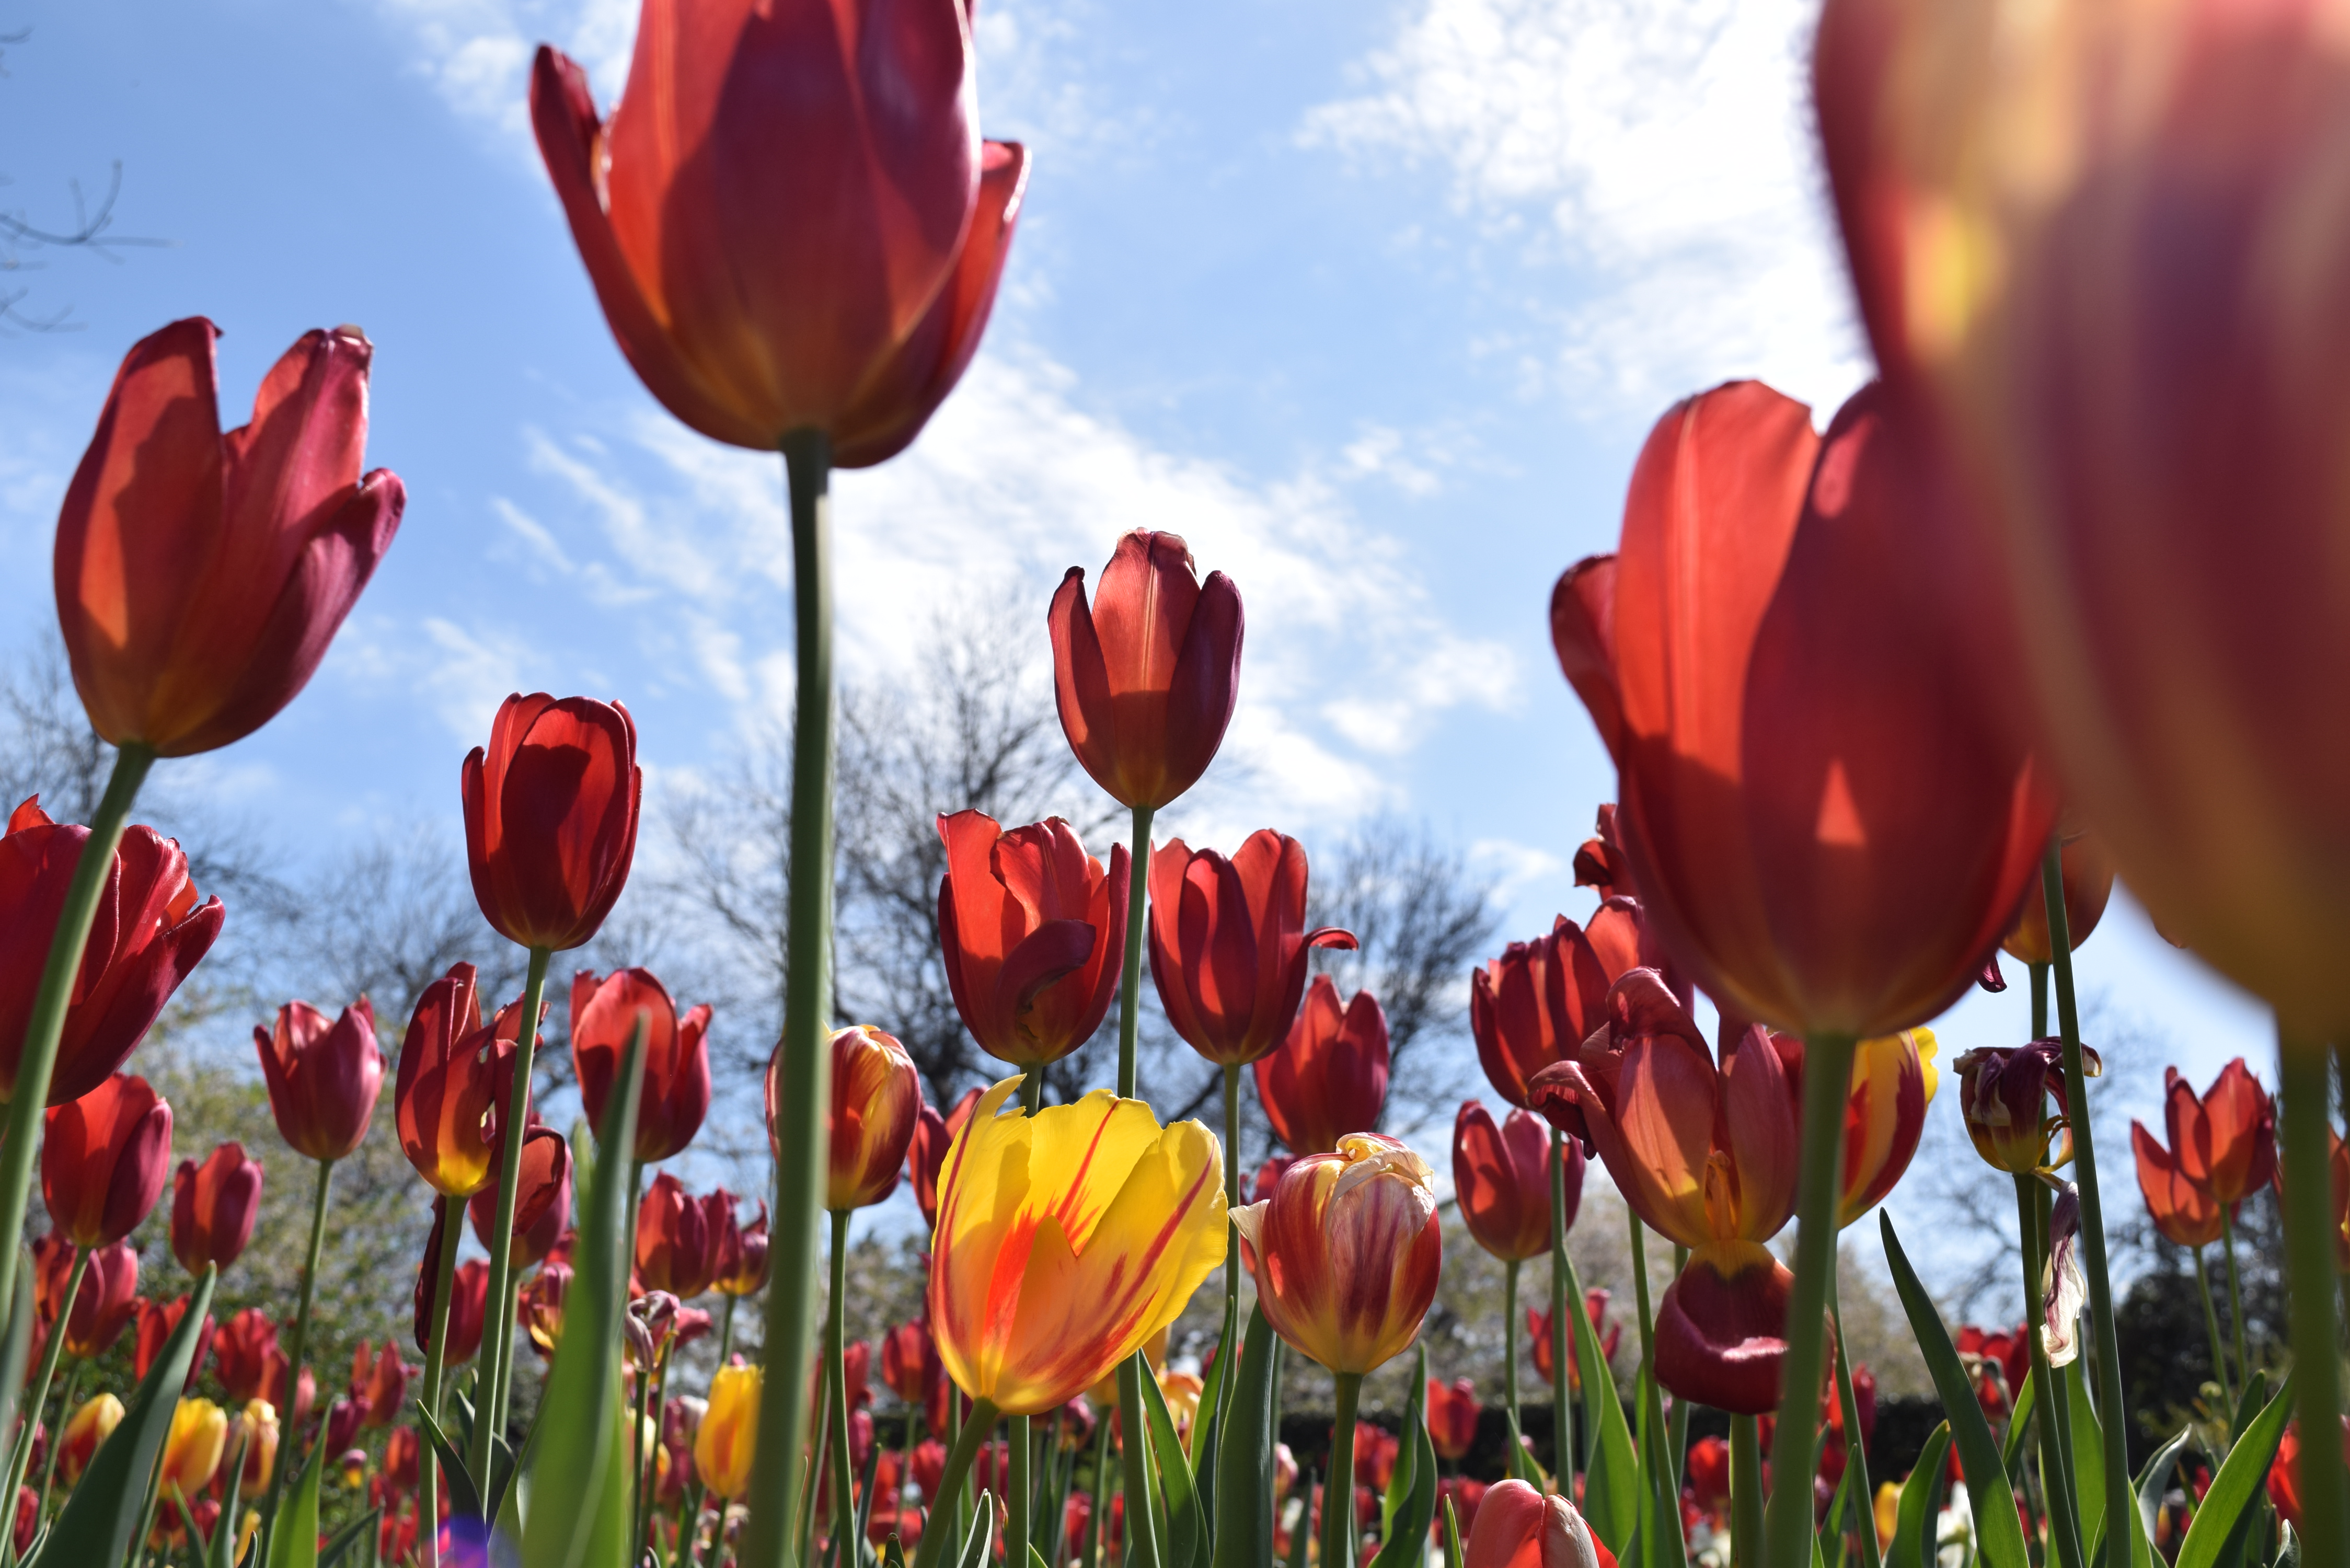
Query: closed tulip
(926, 1156)
(1451, 1417)
(676, 1094)
(469, 1289)
(403, 1453)
(1518, 1527)
(1229, 943)
(149, 933)
(1532, 1006)
(672, 1240)
(202, 577)
(1328, 1076)
(542, 1198)
(2226, 1140)
(191, 1452)
(739, 1252)
(450, 1094)
(1346, 1251)
(156, 1326)
(1501, 1175)
(246, 1347)
(323, 1078)
(1893, 1082)
(1610, 1335)
(1065, 1240)
(2004, 1099)
(90, 1425)
(551, 817)
(729, 1433)
(910, 1361)
(2088, 882)
(1030, 930)
(103, 1159)
(876, 1101)
(106, 1301)
(213, 1205)
(253, 1433)
(379, 1383)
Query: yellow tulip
(1065, 1240)
(191, 1454)
(1893, 1082)
(255, 1433)
(1888, 1510)
(729, 1433)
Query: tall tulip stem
(66, 1408)
(1562, 1334)
(2235, 1293)
(449, 1215)
(1855, 1448)
(2304, 1101)
(2211, 1327)
(1139, 1544)
(46, 1025)
(1510, 1344)
(1129, 984)
(20, 1458)
(2056, 1453)
(1827, 1084)
(1020, 1495)
(1338, 1495)
(292, 1445)
(490, 1397)
(803, 1088)
(2113, 1412)
(836, 1360)
(1745, 1491)
(978, 1424)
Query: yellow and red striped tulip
(1065, 1240)
(729, 1433)
(1893, 1082)
(876, 1101)
(1346, 1251)
(91, 1425)
(192, 1453)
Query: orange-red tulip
(738, 1252)
(1229, 943)
(2178, 1201)
(910, 1361)
(156, 1326)
(149, 933)
(789, 219)
(403, 1452)
(1595, 1307)
(2227, 1140)
(250, 1362)
(926, 1154)
(1518, 1527)
(1451, 1417)
(1501, 1176)
(103, 1159)
(1346, 1251)
(1031, 931)
(1146, 677)
(1829, 830)
(202, 577)
(672, 1240)
(379, 1383)
(106, 1301)
(676, 1094)
(323, 1077)
(877, 1102)
(541, 1199)
(1328, 1076)
(450, 1095)
(1893, 1082)
(2088, 881)
(213, 1205)
(1533, 1005)
(551, 817)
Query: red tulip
(450, 1095)
(1328, 1076)
(877, 1102)
(1147, 676)
(738, 1252)
(822, 256)
(551, 817)
(149, 932)
(323, 1078)
(1707, 1473)
(201, 576)
(672, 1240)
(103, 1159)
(1893, 1082)
(1610, 1335)
(106, 1301)
(1346, 1251)
(541, 1199)
(2284, 1472)
(2181, 1207)
(1229, 943)
(1031, 931)
(379, 1383)
(1465, 1495)
(910, 1361)
(1518, 1527)
(1501, 1175)
(2226, 1140)
(1826, 828)
(156, 1326)
(676, 1094)
(1998, 1363)
(926, 1155)
(1532, 1006)
(1451, 1417)
(402, 1454)
(251, 1364)
(213, 1205)
(929, 1465)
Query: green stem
(2235, 1294)
(292, 1448)
(2219, 1352)
(2040, 1002)
(65, 1414)
(1100, 1515)
(1827, 1082)
(1562, 1339)
(643, 1455)
(2048, 1400)
(20, 1458)
(1339, 1498)
(2305, 1100)
(1130, 985)
(1509, 1344)
(497, 1339)
(976, 1426)
(46, 1025)
(1139, 1542)
(1640, 1297)
(1019, 1497)
(450, 1219)
(1745, 1491)
(725, 1333)
(1855, 1454)
(835, 1357)
(2112, 1414)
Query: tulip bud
(1229, 944)
(255, 1436)
(106, 1301)
(212, 1208)
(90, 1425)
(1031, 929)
(102, 1160)
(1328, 1076)
(676, 1093)
(1533, 1005)
(876, 1101)
(323, 1078)
(191, 1452)
(343, 1418)
(551, 817)
(672, 1240)
(723, 1444)
(1518, 1527)
(1451, 1417)
(1502, 1177)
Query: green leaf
(1207, 1433)
(1914, 1524)
(893, 1555)
(1036, 1558)
(464, 1501)
(980, 1545)
(1662, 1543)
(1400, 1479)
(220, 1551)
(349, 1536)
(1452, 1555)
(2152, 1482)
(1187, 1528)
(577, 1482)
(2089, 1457)
(2227, 1509)
(293, 1536)
(1244, 1505)
(1611, 1488)
(1303, 1533)
(102, 1513)
(1403, 1535)
(2019, 1424)
(1997, 1530)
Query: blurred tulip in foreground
(1229, 943)
(676, 1093)
(551, 817)
(213, 1205)
(1518, 1527)
(103, 1159)
(1030, 930)
(1328, 1076)
(1345, 1252)
(1501, 1176)
(323, 1077)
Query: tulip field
(2058, 598)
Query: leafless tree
(91, 231)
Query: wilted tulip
(1328, 1076)
(90, 1425)
(551, 817)
(2063, 1290)
(1146, 677)
(1229, 943)
(1893, 1082)
(191, 1452)
(1501, 1175)
(213, 1205)
(927, 1154)
(542, 1198)
(323, 1078)
(1518, 1527)
(739, 1255)
(156, 1326)
(450, 1094)
(1030, 930)
(150, 931)
(379, 1383)
(676, 1093)
(1346, 1251)
(2088, 882)
(2004, 1096)
(672, 1240)
(1451, 1417)
(103, 1158)
(729, 1433)
(106, 1301)
(877, 1100)
(1046, 1271)
(246, 1347)
(541, 1308)
(1532, 1006)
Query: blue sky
(1372, 302)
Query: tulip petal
(1583, 633)
(1722, 1329)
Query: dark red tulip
(251, 1364)
(672, 1240)
(676, 1095)
(739, 1255)
(926, 1156)
(1501, 1175)
(1451, 1417)
(1533, 1005)
(1828, 829)
(156, 1326)
(469, 1296)
(1031, 931)
(343, 1418)
(451, 1093)
(103, 1159)
(213, 1205)
(106, 1301)
(1328, 1076)
(149, 933)
(1146, 677)
(542, 1198)
(551, 817)
(323, 1078)
(840, 286)
(910, 1361)
(1229, 943)
(202, 577)
(379, 1383)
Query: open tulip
(1346, 1251)
(1328, 1076)
(1501, 1175)
(1893, 1082)
(1030, 930)
(1229, 943)
(1451, 1417)
(2227, 1139)
(2003, 1097)
(149, 932)
(245, 1348)
(1146, 677)
(450, 1093)
(106, 1301)
(876, 1101)
(723, 1444)
(103, 1159)
(926, 1156)
(542, 1198)
(2088, 882)
(551, 817)
(156, 1326)
(1518, 1527)
(1064, 1241)
(90, 1425)
(739, 1254)
(672, 1240)
(191, 1452)
(213, 1205)
(2181, 1208)
(323, 1077)
(1532, 1006)
(202, 577)
(676, 1094)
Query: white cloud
(1661, 149)
(469, 673)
